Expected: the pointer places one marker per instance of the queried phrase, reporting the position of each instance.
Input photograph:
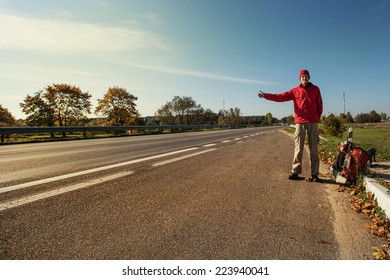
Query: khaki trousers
(299, 138)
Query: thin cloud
(196, 74)
(24, 33)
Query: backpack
(350, 162)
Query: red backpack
(350, 163)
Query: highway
(196, 195)
(22, 163)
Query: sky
(219, 52)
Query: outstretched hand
(261, 94)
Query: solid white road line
(71, 175)
(181, 158)
(29, 199)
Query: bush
(333, 126)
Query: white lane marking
(246, 136)
(71, 175)
(209, 145)
(181, 158)
(226, 141)
(32, 198)
(239, 142)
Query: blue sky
(219, 52)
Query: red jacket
(307, 102)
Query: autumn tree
(269, 118)
(69, 103)
(118, 106)
(58, 104)
(6, 118)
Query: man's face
(305, 79)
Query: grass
(363, 136)
(374, 137)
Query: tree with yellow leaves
(118, 107)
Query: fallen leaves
(382, 253)
(365, 203)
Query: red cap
(303, 72)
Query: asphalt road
(204, 195)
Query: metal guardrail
(64, 129)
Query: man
(307, 113)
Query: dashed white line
(29, 199)
(209, 145)
(75, 174)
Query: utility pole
(344, 101)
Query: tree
(209, 117)
(179, 111)
(58, 104)
(165, 114)
(371, 117)
(343, 117)
(6, 118)
(69, 103)
(38, 110)
(231, 116)
(383, 116)
(349, 118)
(289, 119)
(118, 106)
(374, 117)
(269, 118)
(184, 108)
(362, 118)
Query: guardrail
(66, 129)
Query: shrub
(333, 126)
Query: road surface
(199, 195)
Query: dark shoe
(314, 178)
(293, 176)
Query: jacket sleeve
(280, 97)
(319, 104)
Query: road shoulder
(355, 240)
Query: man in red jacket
(307, 112)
